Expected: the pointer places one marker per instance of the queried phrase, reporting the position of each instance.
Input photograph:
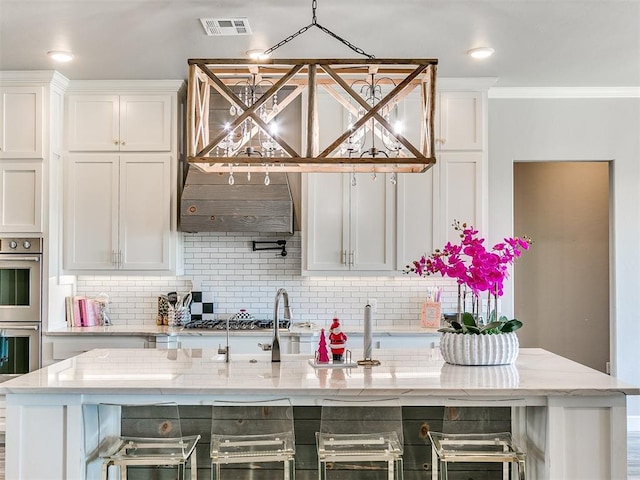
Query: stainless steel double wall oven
(20, 305)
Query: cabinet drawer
(68, 347)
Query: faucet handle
(265, 346)
(222, 350)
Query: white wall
(579, 129)
(224, 264)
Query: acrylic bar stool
(361, 431)
(477, 448)
(252, 432)
(152, 437)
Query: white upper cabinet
(349, 227)
(452, 189)
(21, 115)
(125, 123)
(21, 196)
(121, 177)
(460, 169)
(118, 214)
(459, 125)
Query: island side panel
(587, 438)
(48, 439)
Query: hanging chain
(314, 23)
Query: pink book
(77, 320)
(83, 312)
(91, 319)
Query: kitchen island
(570, 419)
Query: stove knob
(27, 244)
(13, 245)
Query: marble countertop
(403, 372)
(294, 330)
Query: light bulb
(60, 56)
(481, 52)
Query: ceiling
(538, 43)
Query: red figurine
(337, 339)
(322, 355)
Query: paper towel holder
(368, 362)
(367, 351)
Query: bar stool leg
(215, 471)
(322, 470)
(521, 470)
(193, 462)
(399, 469)
(291, 466)
(434, 464)
(445, 471)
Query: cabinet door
(21, 122)
(460, 126)
(93, 123)
(327, 233)
(372, 233)
(460, 192)
(414, 216)
(145, 123)
(145, 212)
(91, 223)
(21, 196)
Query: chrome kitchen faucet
(225, 351)
(275, 345)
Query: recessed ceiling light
(481, 52)
(60, 56)
(256, 54)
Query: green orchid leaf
(511, 326)
(456, 326)
(468, 320)
(447, 330)
(491, 326)
(473, 329)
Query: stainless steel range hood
(210, 204)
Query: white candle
(368, 337)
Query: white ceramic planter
(461, 349)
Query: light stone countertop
(295, 330)
(407, 373)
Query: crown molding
(563, 92)
(135, 86)
(465, 83)
(33, 76)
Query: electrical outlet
(373, 303)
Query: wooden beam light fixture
(374, 96)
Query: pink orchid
(470, 263)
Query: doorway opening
(561, 285)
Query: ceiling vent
(215, 27)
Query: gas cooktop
(236, 324)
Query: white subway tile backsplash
(224, 267)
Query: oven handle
(23, 259)
(13, 326)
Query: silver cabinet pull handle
(23, 259)
(115, 142)
(344, 257)
(114, 258)
(119, 258)
(352, 258)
